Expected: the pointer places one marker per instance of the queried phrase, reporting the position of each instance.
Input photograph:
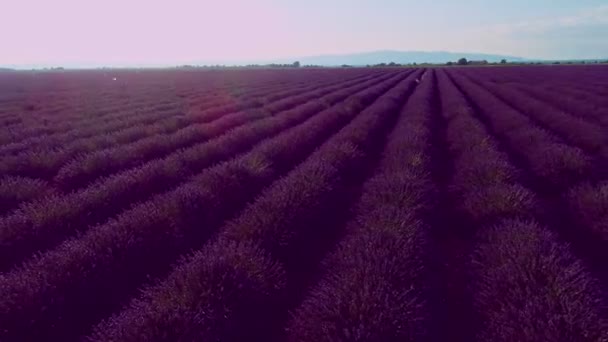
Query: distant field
(360, 204)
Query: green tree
(296, 64)
(503, 61)
(463, 61)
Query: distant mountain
(401, 57)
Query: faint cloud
(588, 17)
(583, 34)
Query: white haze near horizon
(136, 32)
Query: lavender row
(581, 104)
(375, 284)
(45, 163)
(517, 265)
(574, 130)
(134, 127)
(44, 223)
(583, 94)
(554, 166)
(122, 118)
(484, 184)
(145, 148)
(588, 205)
(571, 75)
(278, 229)
(140, 116)
(530, 287)
(64, 290)
(16, 190)
(83, 170)
(40, 127)
(162, 92)
(161, 89)
(122, 129)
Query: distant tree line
(295, 64)
(460, 62)
(580, 62)
(384, 65)
(464, 61)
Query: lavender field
(354, 204)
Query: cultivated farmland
(355, 204)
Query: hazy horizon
(244, 62)
(113, 33)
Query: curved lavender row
(15, 190)
(553, 165)
(576, 98)
(582, 94)
(123, 120)
(26, 106)
(95, 85)
(121, 127)
(162, 92)
(105, 134)
(61, 292)
(42, 224)
(46, 164)
(599, 92)
(375, 282)
(286, 214)
(131, 125)
(517, 265)
(26, 130)
(285, 100)
(571, 101)
(221, 108)
(574, 130)
(222, 85)
(83, 170)
(593, 76)
(66, 119)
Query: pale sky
(122, 32)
